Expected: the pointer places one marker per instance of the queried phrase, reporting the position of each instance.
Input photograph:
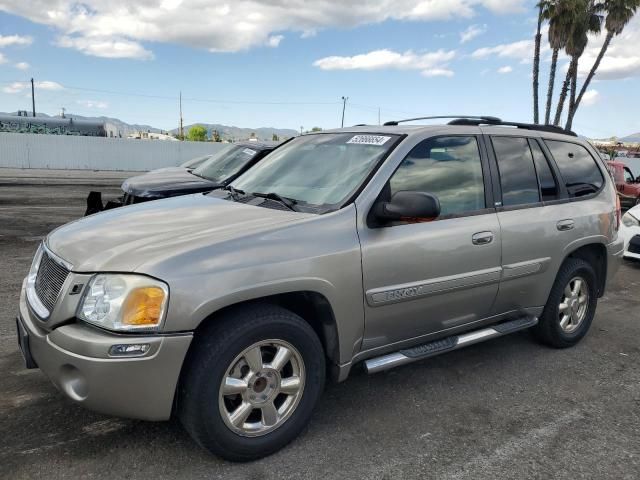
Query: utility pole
(181, 129)
(344, 105)
(379, 116)
(33, 98)
(301, 127)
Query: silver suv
(373, 246)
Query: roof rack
(476, 120)
(486, 119)
(527, 126)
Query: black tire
(548, 329)
(215, 348)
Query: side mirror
(408, 205)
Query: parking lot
(508, 408)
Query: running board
(455, 342)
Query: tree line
(570, 24)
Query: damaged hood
(125, 238)
(167, 183)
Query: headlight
(630, 221)
(33, 299)
(124, 302)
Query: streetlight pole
(33, 98)
(344, 105)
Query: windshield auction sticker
(248, 151)
(369, 139)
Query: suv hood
(124, 238)
(167, 183)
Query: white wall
(25, 150)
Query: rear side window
(447, 167)
(548, 185)
(517, 173)
(578, 168)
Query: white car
(630, 231)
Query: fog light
(128, 350)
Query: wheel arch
(595, 253)
(312, 306)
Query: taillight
(618, 212)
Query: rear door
(529, 214)
(538, 217)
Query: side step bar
(455, 342)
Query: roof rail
(485, 119)
(527, 126)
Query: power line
(190, 99)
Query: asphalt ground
(508, 408)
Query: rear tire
(571, 306)
(251, 382)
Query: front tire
(251, 382)
(571, 306)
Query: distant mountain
(225, 131)
(240, 133)
(633, 138)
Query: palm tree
(619, 14)
(586, 19)
(536, 60)
(559, 14)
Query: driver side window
(447, 167)
(628, 176)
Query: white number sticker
(248, 151)
(369, 139)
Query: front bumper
(76, 359)
(631, 236)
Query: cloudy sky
(287, 63)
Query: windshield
(194, 162)
(321, 170)
(226, 164)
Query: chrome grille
(49, 280)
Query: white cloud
(7, 40)
(505, 69)
(96, 27)
(3, 59)
(106, 47)
(472, 32)
(431, 63)
(22, 66)
(93, 104)
(622, 59)
(590, 97)
(274, 40)
(520, 50)
(437, 72)
(18, 87)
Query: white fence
(25, 150)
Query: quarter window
(447, 167)
(578, 168)
(517, 173)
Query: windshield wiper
(287, 202)
(235, 193)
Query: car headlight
(630, 221)
(124, 302)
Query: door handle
(482, 238)
(564, 225)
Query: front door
(431, 277)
